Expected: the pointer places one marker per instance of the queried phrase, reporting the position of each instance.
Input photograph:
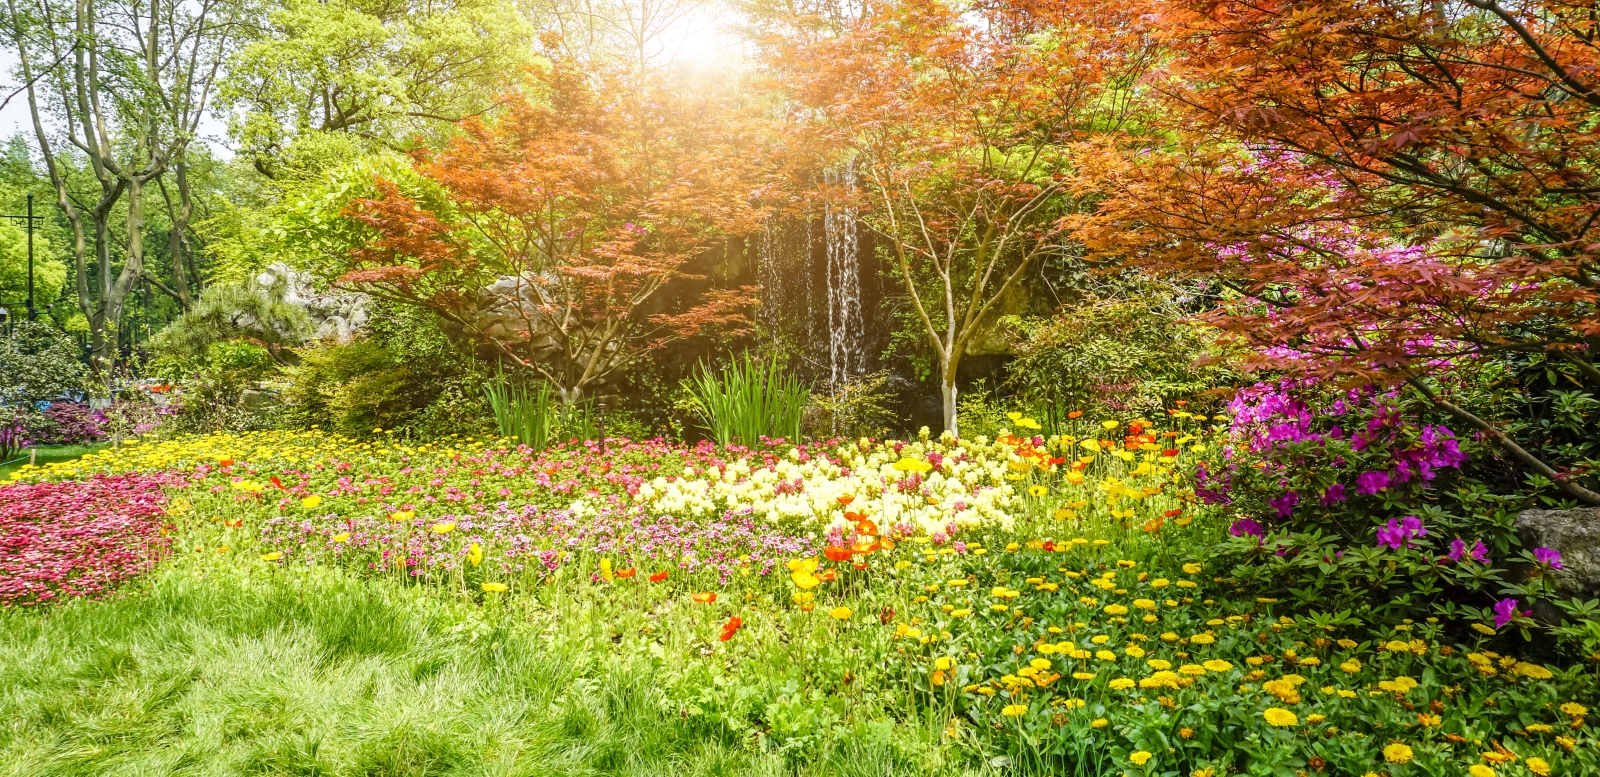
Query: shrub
(37, 363)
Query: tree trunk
(179, 214)
(947, 399)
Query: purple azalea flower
(1458, 550)
(1371, 482)
(1245, 527)
(1398, 534)
(1549, 557)
(1504, 611)
(1334, 495)
(1285, 504)
(1480, 553)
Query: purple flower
(1549, 557)
(1285, 504)
(1480, 553)
(1245, 527)
(1504, 611)
(1371, 482)
(1458, 550)
(1334, 495)
(1398, 534)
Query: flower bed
(79, 538)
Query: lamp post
(29, 218)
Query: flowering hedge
(79, 538)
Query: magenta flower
(1245, 527)
(1504, 611)
(1285, 503)
(1334, 495)
(1549, 557)
(1371, 482)
(1398, 534)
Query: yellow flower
(1350, 667)
(342, 537)
(944, 663)
(1040, 663)
(1534, 671)
(1216, 665)
(1116, 609)
(1083, 675)
(1038, 490)
(1280, 717)
(1574, 709)
(444, 528)
(1122, 684)
(1108, 424)
(1013, 710)
(1099, 723)
(1483, 628)
(311, 501)
(1397, 753)
(1202, 639)
(1140, 757)
(495, 588)
(605, 568)
(273, 556)
(404, 515)
(841, 613)
(1538, 766)
(474, 554)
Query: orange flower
(1153, 526)
(1173, 513)
(1075, 414)
(730, 628)
(836, 553)
(852, 516)
(225, 463)
(627, 573)
(828, 576)
(659, 576)
(705, 597)
(867, 527)
(861, 566)
(844, 501)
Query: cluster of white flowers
(926, 485)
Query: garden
(1152, 388)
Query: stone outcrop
(336, 316)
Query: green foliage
(38, 362)
(238, 312)
(368, 72)
(222, 389)
(49, 272)
(746, 401)
(405, 375)
(980, 412)
(859, 407)
(1116, 356)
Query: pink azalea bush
(79, 538)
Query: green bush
(1117, 357)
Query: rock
(510, 310)
(337, 316)
(1576, 534)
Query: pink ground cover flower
(79, 538)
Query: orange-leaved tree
(1384, 187)
(549, 232)
(952, 129)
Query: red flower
(225, 463)
(659, 576)
(276, 481)
(836, 553)
(1075, 414)
(627, 573)
(1173, 513)
(861, 565)
(705, 597)
(730, 628)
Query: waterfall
(846, 354)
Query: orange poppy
(1153, 525)
(861, 566)
(705, 597)
(828, 576)
(225, 463)
(866, 527)
(627, 573)
(836, 553)
(730, 628)
(844, 501)
(1075, 414)
(659, 576)
(1173, 513)
(853, 516)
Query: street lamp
(30, 218)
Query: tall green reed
(747, 400)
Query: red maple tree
(1381, 187)
(549, 232)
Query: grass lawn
(49, 454)
(208, 669)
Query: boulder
(337, 316)
(1576, 534)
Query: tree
(1396, 186)
(952, 138)
(552, 230)
(371, 72)
(126, 84)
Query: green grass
(49, 454)
(210, 670)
